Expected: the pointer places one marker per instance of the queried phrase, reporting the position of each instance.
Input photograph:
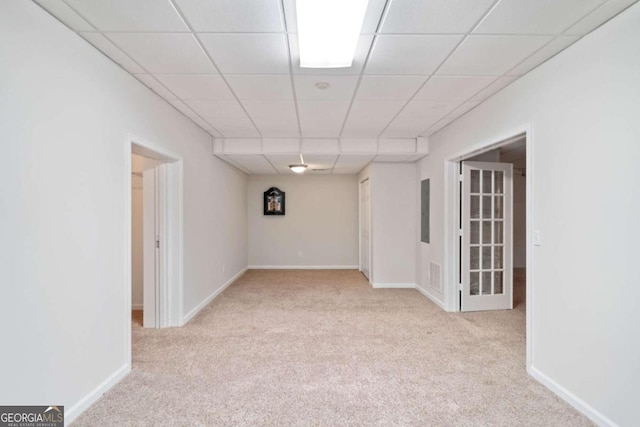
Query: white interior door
(487, 242)
(149, 245)
(365, 217)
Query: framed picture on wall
(273, 203)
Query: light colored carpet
(321, 348)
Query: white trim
(393, 285)
(211, 297)
(303, 267)
(431, 297)
(95, 394)
(450, 264)
(593, 414)
(137, 306)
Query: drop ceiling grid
(560, 22)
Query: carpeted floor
(322, 348)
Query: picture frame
(274, 201)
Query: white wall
(65, 113)
(394, 209)
(582, 107)
(321, 221)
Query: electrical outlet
(299, 254)
(224, 267)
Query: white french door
(487, 236)
(365, 216)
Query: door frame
(360, 182)
(452, 220)
(169, 297)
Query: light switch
(537, 240)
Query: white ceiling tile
(255, 163)
(242, 145)
(274, 118)
(282, 161)
(418, 116)
(248, 53)
(370, 117)
(462, 109)
(255, 16)
(393, 157)
(599, 16)
(164, 53)
(388, 87)
(358, 145)
(183, 108)
(226, 116)
(434, 16)
(281, 145)
(397, 145)
(540, 56)
(360, 56)
(437, 126)
(494, 87)
(369, 24)
(340, 87)
(409, 54)
(319, 146)
(155, 86)
(319, 171)
(127, 15)
(317, 163)
(322, 118)
(352, 163)
(320, 159)
(535, 17)
(452, 88)
(64, 13)
(112, 51)
(196, 86)
(261, 88)
(490, 55)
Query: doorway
(154, 255)
(510, 152)
(493, 228)
(145, 241)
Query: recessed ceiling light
(328, 31)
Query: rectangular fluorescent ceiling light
(328, 31)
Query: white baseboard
(573, 400)
(393, 285)
(211, 297)
(303, 267)
(137, 306)
(95, 394)
(431, 297)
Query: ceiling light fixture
(299, 167)
(328, 31)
